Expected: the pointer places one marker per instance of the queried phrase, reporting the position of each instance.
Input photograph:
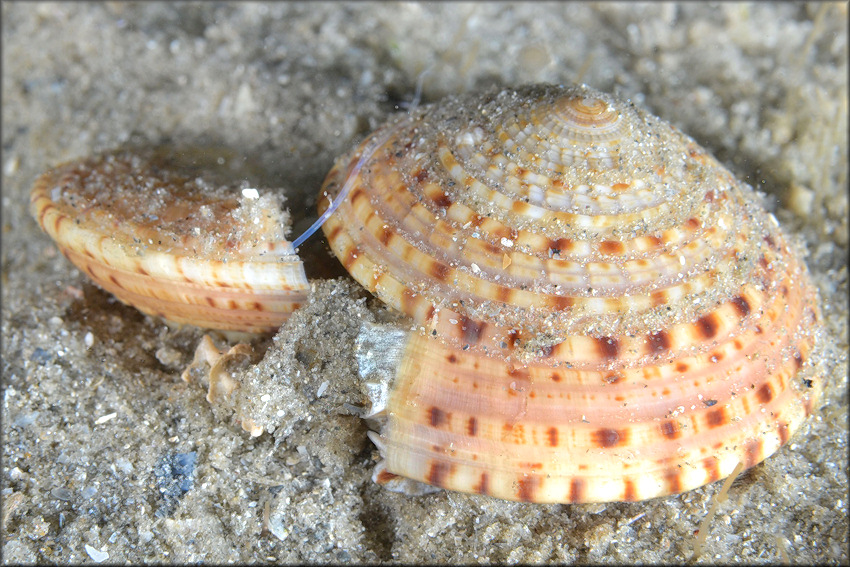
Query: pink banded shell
(606, 313)
(175, 236)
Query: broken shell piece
(378, 350)
(180, 234)
(221, 382)
(394, 482)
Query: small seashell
(177, 234)
(605, 312)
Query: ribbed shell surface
(172, 237)
(605, 312)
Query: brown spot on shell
(612, 378)
(560, 246)
(629, 492)
(609, 347)
(577, 490)
(483, 486)
(518, 373)
(429, 314)
(712, 468)
(443, 201)
(741, 305)
(351, 258)
(770, 242)
(752, 450)
(560, 302)
(670, 430)
(708, 325)
(409, 301)
(437, 417)
(783, 431)
(655, 241)
(674, 481)
(612, 247)
(384, 476)
(513, 337)
(439, 270)
(356, 194)
(606, 437)
(716, 417)
(764, 394)
(491, 248)
(438, 473)
(658, 342)
(472, 330)
(552, 436)
(472, 427)
(503, 294)
(334, 233)
(527, 488)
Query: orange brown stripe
(527, 488)
(438, 473)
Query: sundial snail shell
(176, 233)
(605, 313)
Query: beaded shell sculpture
(176, 234)
(604, 312)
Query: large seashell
(175, 234)
(605, 312)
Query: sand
(109, 456)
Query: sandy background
(109, 455)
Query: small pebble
(96, 555)
(105, 418)
(62, 494)
(11, 165)
(323, 387)
(169, 357)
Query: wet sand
(109, 456)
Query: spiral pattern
(605, 312)
(172, 234)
